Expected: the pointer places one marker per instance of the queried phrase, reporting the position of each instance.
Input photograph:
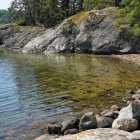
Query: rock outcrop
(87, 32)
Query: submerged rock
(126, 124)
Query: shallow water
(36, 89)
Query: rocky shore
(111, 124)
(87, 32)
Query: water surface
(36, 89)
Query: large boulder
(88, 121)
(126, 124)
(131, 112)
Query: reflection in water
(35, 89)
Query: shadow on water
(35, 89)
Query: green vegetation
(68, 28)
(5, 17)
(129, 17)
(49, 13)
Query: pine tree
(129, 17)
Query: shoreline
(132, 58)
(118, 123)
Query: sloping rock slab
(99, 134)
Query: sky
(4, 4)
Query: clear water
(36, 89)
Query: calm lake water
(36, 89)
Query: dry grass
(79, 17)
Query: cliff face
(87, 32)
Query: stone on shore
(130, 92)
(114, 108)
(125, 124)
(104, 122)
(54, 129)
(111, 114)
(136, 96)
(88, 121)
(69, 124)
(138, 91)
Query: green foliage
(129, 17)
(21, 23)
(45, 12)
(99, 4)
(68, 28)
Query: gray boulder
(104, 122)
(69, 124)
(126, 124)
(88, 121)
(131, 112)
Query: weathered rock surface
(125, 124)
(98, 134)
(15, 37)
(92, 32)
(88, 121)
